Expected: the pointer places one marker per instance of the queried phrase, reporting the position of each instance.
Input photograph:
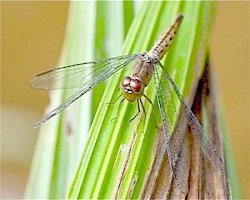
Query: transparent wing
(166, 87)
(90, 79)
(173, 146)
(77, 75)
(197, 130)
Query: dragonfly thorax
(132, 88)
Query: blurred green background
(32, 38)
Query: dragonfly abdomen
(162, 45)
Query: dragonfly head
(132, 88)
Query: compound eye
(126, 81)
(136, 85)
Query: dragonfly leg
(139, 110)
(118, 106)
(139, 102)
(143, 108)
(148, 99)
(115, 100)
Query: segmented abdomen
(162, 45)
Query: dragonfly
(85, 76)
